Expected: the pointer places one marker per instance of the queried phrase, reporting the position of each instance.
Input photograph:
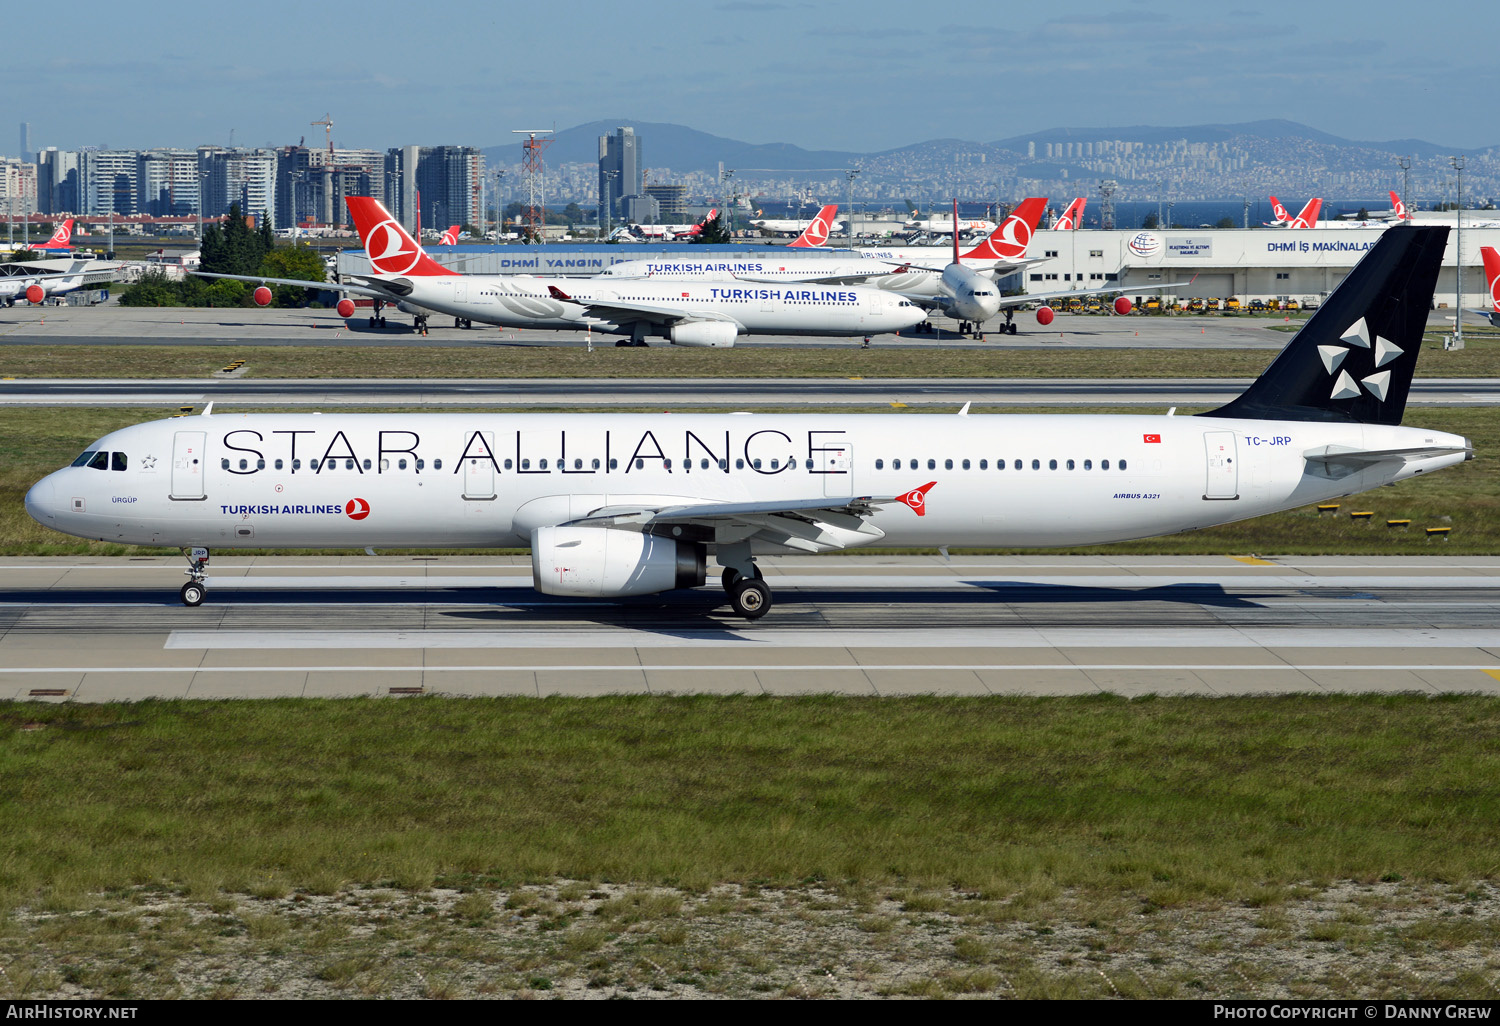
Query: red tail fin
(1492, 273)
(1278, 211)
(1072, 218)
(1309, 216)
(60, 237)
(450, 237)
(1400, 208)
(390, 249)
(817, 233)
(1009, 241)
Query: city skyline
(825, 77)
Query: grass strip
(1175, 800)
(1480, 358)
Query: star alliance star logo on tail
(1357, 336)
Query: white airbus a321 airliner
(632, 504)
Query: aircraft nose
(40, 501)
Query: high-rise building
(58, 181)
(619, 153)
(109, 181)
(443, 181)
(671, 201)
(166, 182)
(26, 155)
(246, 177)
(311, 189)
(17, 187)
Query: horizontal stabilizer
(1363, 457)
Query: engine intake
(601, 562)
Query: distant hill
(680, 148)
(686, 149)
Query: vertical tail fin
(1309, 216)
(1492, 274)
(390, 249)
(816, 233)
(450, 237)
(60, 237)
(1072, 218)
(1354, 358)
(1402, 214)
(1009, 241)
(1279, 212)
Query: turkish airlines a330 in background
(687, 313)
(614, 505)
(1072, 218)
(1492, 280)
(812, 232)
(1308, 218)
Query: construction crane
(327, 124)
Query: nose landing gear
(195, 590)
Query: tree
(1225, 222)
(293, 262)
(1363, 215)
(154, 289)
(574, 213)
(234, 248)
(714, 232)
(1151, 221)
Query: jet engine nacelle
(35, 293)
(262, 296)
(1044, 315)
(602, 562)
(345, 308)
(1122, 305)
(717, 334)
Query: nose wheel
(193, 594)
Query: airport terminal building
(1256, 263)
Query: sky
(862, 76)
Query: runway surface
(74, 629)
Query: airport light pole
(852, 174)
(1404, 163)
(1458, 320)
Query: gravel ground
(586, 940)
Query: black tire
(372, 322)
(731, 575)
(750, 599)
(382, 322)
(193, 593)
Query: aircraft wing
(612, 309)
(808, 525)
(1033, 297)
(858, 278)
(326, 286)
(40, 277)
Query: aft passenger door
(1223, 472)
(479, 466)
(838, 473)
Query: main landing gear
(1009, 327)
(419, 323)
(195, 590)
(749, 596)
(462, 322)
(376, 319)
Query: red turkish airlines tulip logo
(60, 236)
(1495, 291)
(356, 509)
(1015, 235)
(818, 230)
(390, 249)
(917, 499)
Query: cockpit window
(100, 461)
(117, 461)
(83, 460)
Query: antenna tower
(531, 167)
(1107, 203)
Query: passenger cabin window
(224, 464)
(1104, 464)
(117, 461)
(278, 464)
(1070, 465)
(1051, 464)
(100, 461)
(1036, 464)
(1122, 464)
(437, 464)
(880, 464)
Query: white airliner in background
(672, 231)
(36, 287)
(820, 226)
(1492, 280)
(613, 505)
(1398, 212)
(687, 313)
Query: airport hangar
(1256, 263)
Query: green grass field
(1481, 358)
(1175, 801)
(35, 442)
